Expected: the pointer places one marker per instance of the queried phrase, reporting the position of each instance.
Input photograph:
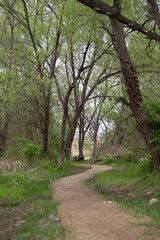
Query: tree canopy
(82, 64)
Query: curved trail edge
(88, 216)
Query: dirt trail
(88, 216)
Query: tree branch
(103, 8)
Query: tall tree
(36, 20)
(128, 67)
(83, 74)
(8, 76)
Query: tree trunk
(69, 140)
(70, 135)
(4, 133)
(62, 141)
(96, 127)
(3, 138)
(132, 84)
(45, 139)
(80, 147)
(46, 124)
(81, 136)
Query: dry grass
(10, 166)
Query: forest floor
(86, 215)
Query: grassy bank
(27, 210)
(131, 187)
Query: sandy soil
(88, 216)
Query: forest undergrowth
(27, 210)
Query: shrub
(15, 147)
(30, 152)
(109, 160)
(146, 165)
(127, 157)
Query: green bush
(20, 147)
(127, 157)
(120, 159)
(153, 114)
(146, 165)
(110, 160)
(30, 152)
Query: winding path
(88, 216)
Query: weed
(41, 222)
